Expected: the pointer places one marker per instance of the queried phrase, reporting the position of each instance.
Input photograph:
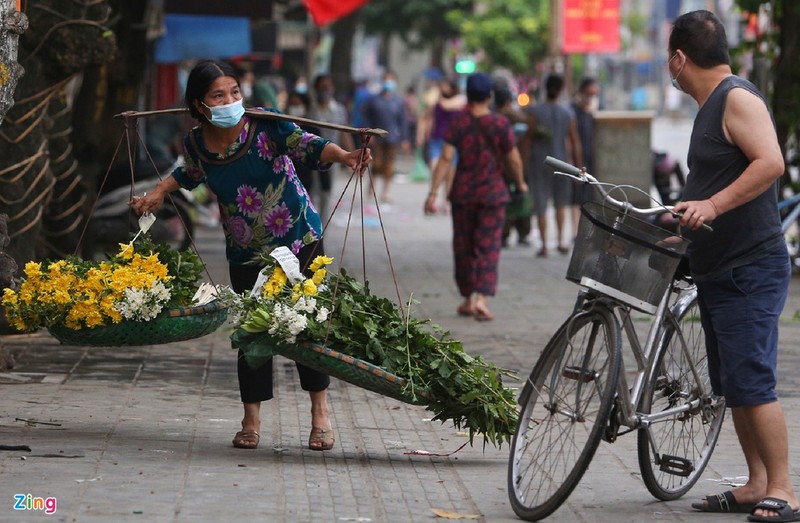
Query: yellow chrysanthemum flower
(275, 283)
(319, 262)
(126, 251)
(319, 276)
(309, 288)
(33, 270)
(10, 297)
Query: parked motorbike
(113, 221)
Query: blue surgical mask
(226, 116)
(674, 80)
(389, 86)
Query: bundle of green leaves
(345, 316)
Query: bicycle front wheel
(674, 451)
(564, 409)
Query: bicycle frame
(645, 355)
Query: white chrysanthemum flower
(322, 314)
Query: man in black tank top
(742, 268)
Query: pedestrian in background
(741, 269)
(478, 193)
(583, 106)
(436, 120)
(299, 104)
(551, 132)
(327, 109)
(386, 110)
(520, 208)
(412, 112)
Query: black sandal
(786, 513)
(723, 503)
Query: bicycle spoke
(568, 399)
(673, 451)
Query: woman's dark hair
(200, 79)
(700, 35)
(553, 86)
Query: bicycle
(578, 391)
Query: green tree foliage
(420, 23)
(510, 33)
(776, 58)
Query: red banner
(590, 26)
(326, 11)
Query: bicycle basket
(624, 257)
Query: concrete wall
(622, 151)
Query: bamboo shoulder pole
(266, 115)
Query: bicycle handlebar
(565, 169)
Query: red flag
(590, 26)
(325, 11)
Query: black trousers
(255, 385)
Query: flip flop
(246, 439)
(786, 513)
(723, 503)
(323, 438)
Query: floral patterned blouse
(262, 203)
(481, 143)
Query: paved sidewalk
(144, 433)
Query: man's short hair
(479, 87)
(701, 36)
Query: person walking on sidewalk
(434, 123)
(583, 107)
(551, 132)
(326, 109)
(742, 268)
(478, 193)
(520, 208)
(247, 164)
(386, 110)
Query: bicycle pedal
(676, 466)
(579, 374)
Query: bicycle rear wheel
(564, 408)
(673, 452)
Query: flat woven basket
(172, 325)
(333, 363)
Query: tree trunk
(786, 99)
(344, 31)
(107, 89)
(41, 187)
(12, 24)
(8, 269)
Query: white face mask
(247, 90)
(674, 80)
(226, 116)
